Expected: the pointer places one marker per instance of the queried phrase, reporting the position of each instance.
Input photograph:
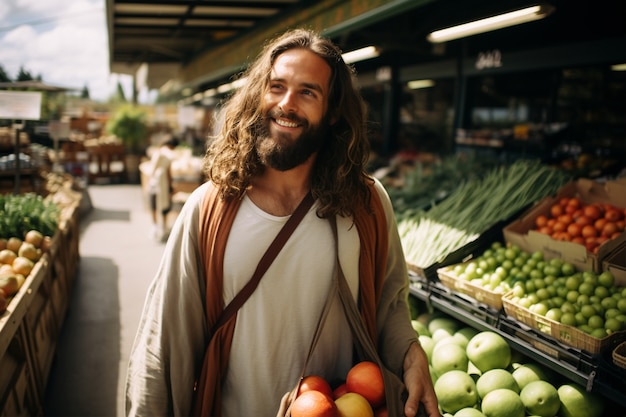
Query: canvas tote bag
(395, 390)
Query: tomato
(559, 227)
(541, 221)
(592, 211)
(574, 202)
(589, 231)
(565, 219)
(599, 224)
(556, 210)
(609, 228)
(583, 220)
(547, 230)
(564, 201)
(613, 215)
(574, 229)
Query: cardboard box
(615, 263)
(520, 232)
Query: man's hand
(419, 383)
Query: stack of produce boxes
(567, 285)
(32, 314)
(582, 226)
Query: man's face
(296, 109)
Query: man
(159, 172)
(297, 126)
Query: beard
(280, 151)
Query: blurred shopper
(160, 186)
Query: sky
(63, 41)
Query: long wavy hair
(339, 181)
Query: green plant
(129, 125)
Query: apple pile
(552, 288)
(361, 394)
(590, 225)
(476, 374)
(17, 259)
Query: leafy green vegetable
(24, 212)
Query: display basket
(568, 335)
(481, 294)
(619, 355)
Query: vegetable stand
(30, 326)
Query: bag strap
(394, 387)
(265, 262)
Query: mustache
(277, 113)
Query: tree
(4, 77)
(85, 92)
(24, 75)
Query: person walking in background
(160, 186)
(295, 133)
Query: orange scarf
(216, 219)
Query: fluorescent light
(360, 54)
(517, 17)
(417, 84)
(618, 67)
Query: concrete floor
(118, 260)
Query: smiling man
(294, 133)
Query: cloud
(64, 41)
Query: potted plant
(129, 125)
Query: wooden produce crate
(619, 355)
(41, 326)
(18, 396)
(568, 335)
(481, 294)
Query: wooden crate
(480, 294)
(18, 396)
(562, 333)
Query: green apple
(541, 399)
(447, 357)
(503, 402)
(420, 328)
(427, 344)
(488, 350)
(576, 402)
(441, 333)
(469, 412)
(447, 323)
(455, 390)
(494, 379)
(529, 372)
(466, 333)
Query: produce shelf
(594, 372)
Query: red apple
(365, 378)
(314, 404)
(315, 383)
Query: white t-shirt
(277, 323)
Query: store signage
(58, 129)
(489, 59)
(20, 105)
